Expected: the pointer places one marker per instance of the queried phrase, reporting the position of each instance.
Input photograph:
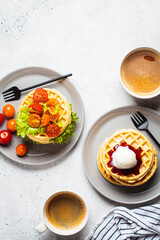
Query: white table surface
(88, 38)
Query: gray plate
(106, 126)
(40, 154)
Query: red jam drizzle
(125, 172)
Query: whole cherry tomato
(53, 130)
(34, 120)
(45, 120)
(40, 95)
(1, 118)
(8, 111)
(35, 108)
(21, 150)
(5, 136)
(11, 125)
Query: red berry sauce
(126, 172)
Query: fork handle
(49, 81)
(153, 137)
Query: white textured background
(88, 38)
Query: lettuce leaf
(59, 123)
(23, 127)
(64, 137)
(45, 108)
(56, 110)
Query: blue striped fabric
(124, 224)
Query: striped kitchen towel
(122, 223)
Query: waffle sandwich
(145, 155)
(55, 107)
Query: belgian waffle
(65, 113)
(135, 139)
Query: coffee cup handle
(41, 227)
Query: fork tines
(8, 95)
(142, 116)
(138, 117)
(139, 120)
(8, 90)
(11, 94)
(135, 118)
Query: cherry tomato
(11, 125)
(35, 108)
(52, 102)
(1, 118)
(45, 120)
(40, 95)
(21, 150)
(34, 120)
(5, 136)
(8, 111)
(53, 130)
(54, 117)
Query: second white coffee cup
(64, 213)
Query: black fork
(141, 123)
(14, 93)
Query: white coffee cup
(127, 59)
(46, 224)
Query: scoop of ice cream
(124, 158)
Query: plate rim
(82, 117)
(84, 150)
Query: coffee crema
(140, 72)
(65, 211)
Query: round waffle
(65, 113)
(135, 139)
(109, 178)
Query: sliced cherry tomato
(40, 95)
(11, 125)
(8, 111)
(21, 150)
(45, 120)
(5, 136)
(53, 130)
(54, 117)
(35, 108)
(52, 102)
(1, 118)
(34, 120)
